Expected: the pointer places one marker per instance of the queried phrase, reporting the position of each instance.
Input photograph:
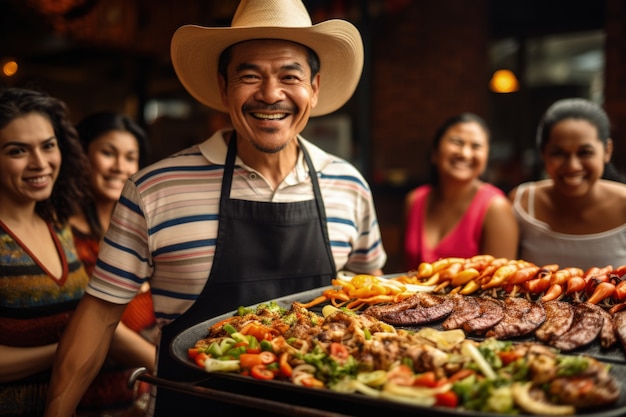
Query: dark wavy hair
(466, 117)
(94, 126)
(578, 108)
(71, 185)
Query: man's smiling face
(270, 92)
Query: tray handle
(141, 374)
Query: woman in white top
(575, 218)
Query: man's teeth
(269, 116)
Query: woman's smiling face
(113, 158)
(463, 152)
(574, 157)
(30, 159)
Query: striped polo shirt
(164, 227)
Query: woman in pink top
(457, 214)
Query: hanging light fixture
(503, 81)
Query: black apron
(264, 250)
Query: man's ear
(223, 89)
(315, 88)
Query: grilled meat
(521, 317)
(619, 321)
(584, 329)
(431, 308)
(491, 313)
(607, 330)
(379, 311)
(559, 318)
(596, 387)
(465, 308)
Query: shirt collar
(214, 150)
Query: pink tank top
(462, 241)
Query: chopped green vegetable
(266, 346)
(216, 365)
(228, 328)
(571, 365)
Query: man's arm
(81, 352)
(131, 349)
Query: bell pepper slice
(286, 369)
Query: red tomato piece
(192, 353)
(508, 357)
(447, 399)
(201, 358)
(426, 379)
(267, 357)
(260, 371)
(339, 352)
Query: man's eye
(249, 77)
(291, 78)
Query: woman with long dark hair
(457, 214)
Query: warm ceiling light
(9, 68)
(503, 81)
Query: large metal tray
(355, 404)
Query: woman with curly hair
(41, 277)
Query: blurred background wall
(425, 61)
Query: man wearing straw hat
(253, 213)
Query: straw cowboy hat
(195, 50)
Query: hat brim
(195, 52)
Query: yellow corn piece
(424, 270)
(500, 277)
(470, 287)
(433, 280)
(464, 277)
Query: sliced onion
(468, 349)
(523, 399)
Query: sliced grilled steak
(491, 312)
(431, 308)
(465, 308)
(559, 318)
(619, 321)
(379, 311)
(584, 329)
(521, 317)
(607, 330)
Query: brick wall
(615, 77)
(431, 61)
